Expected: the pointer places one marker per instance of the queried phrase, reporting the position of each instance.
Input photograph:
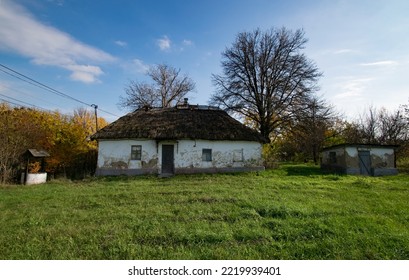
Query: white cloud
(84, 73)
(85, 77)
(121, 43)
(187, 42)
(344, 51)
(381, 63)
(164, 43)
(140, 66)
(57, 2)
(353, 88)
(21, 33)
(135, 67)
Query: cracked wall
(232, 154)
(115, 155)
(382, 160)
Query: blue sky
(90, 49)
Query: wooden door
(364, 162)
(168, 164)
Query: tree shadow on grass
(303, 170)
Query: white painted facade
(188, 154)
(114, 156)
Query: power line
(10, 102)
(108, 112)
(23, 102)
(28, 94)
(33, 82)
(36, 83)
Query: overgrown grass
(293, 212)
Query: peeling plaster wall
(338, 165)
(382, 158)
(114, 156)
(347, 160)
(188, 154)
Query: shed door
(364, 162)
(168, 165)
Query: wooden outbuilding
(35, 167)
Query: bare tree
(312, 124)
(139, 95)
(368, 126)
(266, 78)
(393, 127)
(168, 87)
(378, 126)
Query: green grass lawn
(293, 212)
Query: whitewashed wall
(114, 156)
(188, 154)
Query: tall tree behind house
(266, 78)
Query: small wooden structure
(360, 159)
(38, 176)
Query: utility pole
(96, 116)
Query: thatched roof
(191, 122)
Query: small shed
(360, 159)
(34, 170)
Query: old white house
(182, 139)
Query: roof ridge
(179, 107)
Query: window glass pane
(207, 154)
(136, 152)
(238, 155)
